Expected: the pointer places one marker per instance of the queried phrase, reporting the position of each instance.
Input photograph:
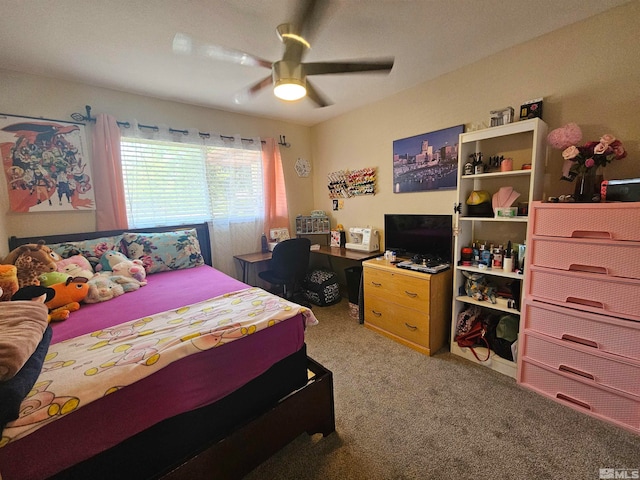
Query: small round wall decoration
(303, 167)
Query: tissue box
(506, 212)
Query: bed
(216, 413)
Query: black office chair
(288, 266)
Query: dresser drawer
(618, 259)
(576, 360)
(401, 321)
(586, 291)
(614, 221)
(619, 408)
(604, 334)
(402, 289)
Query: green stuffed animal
(51, 278)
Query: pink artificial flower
(599, 149)
(607, 139)
(589, 162)
(570, 153)
(618, 150)
(565, 136)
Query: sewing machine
(277, 235)
(363, 239)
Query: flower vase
(588, 186)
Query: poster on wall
(45, 164)
(426, 162)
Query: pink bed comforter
(181, 386)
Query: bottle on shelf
(264, 243)
(507, 261)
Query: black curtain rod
(79, 117)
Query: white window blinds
(164, 183)
(170, 183)
(235, 184)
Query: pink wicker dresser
(580, 325)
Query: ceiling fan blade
(316, 97)
(244, 96)
(185, 45)
(323, 68)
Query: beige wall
(43, 97)
(588, 73)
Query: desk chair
(288, 266)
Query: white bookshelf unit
(525, 143)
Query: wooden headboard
(202, 230)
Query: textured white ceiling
(127, 44)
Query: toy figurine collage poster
(46, 165)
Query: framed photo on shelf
(46, 165)
(426, 162)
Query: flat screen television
(430, 236)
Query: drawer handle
(581, 341)
(411, 327)
(411, 294)
(569, 399)
(576, 267)
(377, 314)
(575, 371)
(585, 302)
(376, 284)
(591, 234)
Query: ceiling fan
(289, 74)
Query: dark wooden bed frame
(252, 440)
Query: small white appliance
(277, 235)
(363, 239)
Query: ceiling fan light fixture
(289, 90)
(289, 81)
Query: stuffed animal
(133, 269)
(67, 298)
(36, 293)
(102, 288)
(76, 271)
(76, 266)
(8, 281)
(129, 284)
(109, 259)
(478, 287)
(31, 260)
(51, 278)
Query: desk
(248, 259)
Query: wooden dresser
(580, 327)
(412, 308)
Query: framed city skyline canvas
(426, 162)
(45, 164)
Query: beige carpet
(402, 415)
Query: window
(170, 183)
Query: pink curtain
(111, 212)
(276, 210)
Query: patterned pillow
(164, 251)
(92, 249)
